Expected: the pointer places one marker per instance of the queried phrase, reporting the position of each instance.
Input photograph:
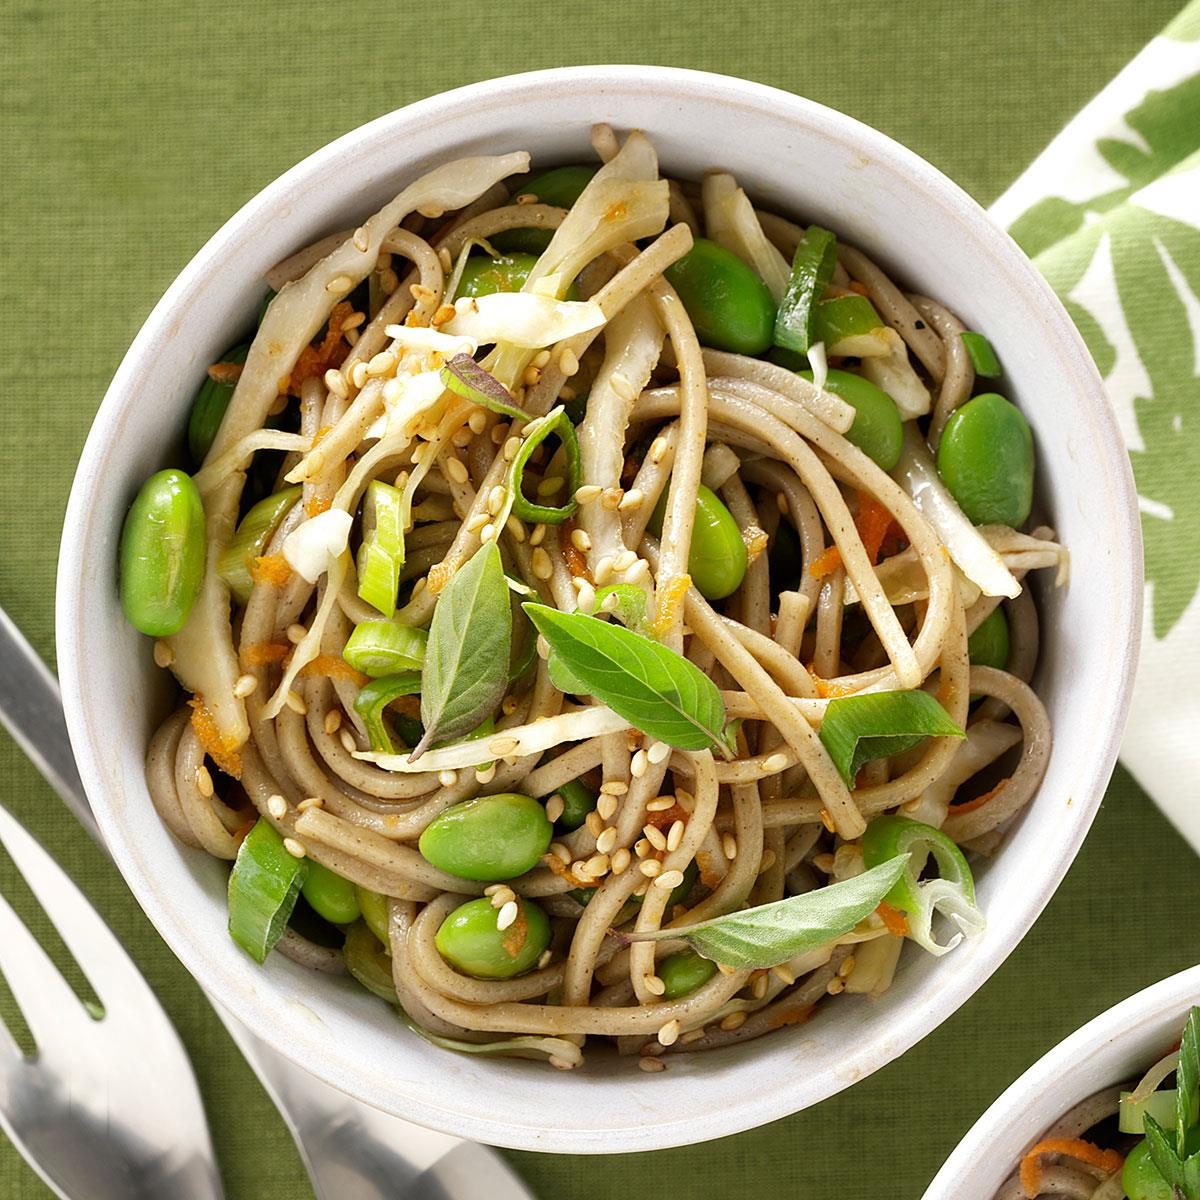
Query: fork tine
(52, 1011)
(100, 956)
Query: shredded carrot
(825, 563)
(318, 504)
(263, 653)
(270, 568)
(872, 522)
(321, 434)
(979, 801)
(827, 690)
(314, 361)
(893, 918)
(793, 1016)
(1076, 1148)
(334, 668)
(756, 542)
(225, 372)
(242, 830)
(708, 876)
(222, 751)
(827, 821)
(860, 288)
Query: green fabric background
(129, 132)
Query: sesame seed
(621, 386)
(767, 861)
(654, 985)
(511, 446)
(724, 969)
(296, 634)
(668, 1035)
(316, 462)
(543, 647)
(508, 914)
(544, 961)
(729, 846)
(758, 989)
(651, 1065)
(389, 281)
(293, 847)
(609, 603)
(537, 536)
(499, 433)
(735, 1020)
(594, 823)
(335, 381)
(531, 376)
(477, 522)
(847, 967)
(560, 1064)
(509, 706)
(586, 493)
(827, 820)
(487, 533)
(660, 804)
(310, 802)
(277, 807)
(348, 742)
(610, 498)
(641, 847)
(496, 500)
(360, 239)
(604, 571)
(692, 1035)
(823, 863)
(650, 867)
(500, 746)
(587, 597)
(655, 837)
(614, 787)
(639, 763)
(639, 572)
(568, 362)
(619, 862)
(500, 893)
(624, 560)
(579, 869)
(835, 985)
(607, 840)
(631, 500)
(541, 358)
(554, 808)
(204, 783)
(339, 284)
(580, 540)
(675, 835)
(245, 686)
(447, 778)
(781, 972)
(567, 393)
(560, 852)
(597, 865)
(515, 528)
(477, 421)
(294, 701)
(445, 259)
(669, 880)
(485, 774)
(774, 763)
(164, 656)
(542, 567)
(358, 374)
(383, 363)
(456, 469)
(658, 450)
(607, 804)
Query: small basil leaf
(1187, 1081)
(1164, 1155)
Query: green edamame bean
(877, 430)
(728, 304)
(374, 912)
(578, 800)
(162, 554)
(684, 972)
(208, 409)
(560, 187)
(484, 276)
(330, 895)
(717, 558)
(489, 838)
(985, 458)
(470, 941)
(1140, 1178)
(989, 646)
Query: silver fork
(108, 1108)
(351, 1151)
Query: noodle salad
(598, 607)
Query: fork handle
(31, 710)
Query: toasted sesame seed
(651, 1065)
(847, 967)
(568, 362)
(515, 527)
(766, 862)
(594, 823)
(638, 764)
(554, 808)
(607, 804)
(335, 381)
(296, 633)
(545, 960)
(485, 774)
(614, 787)
(549, 485)
(610, 498)
(669, 880)
(607, 840)
(729, 846)
(204, 783)
(477, 421)
(692, 1035)
(655, 837)
(586, 493)
(587, 597)
(339, 284)
(823, 863)
(445, 259)
(456, 469)
(668, 1035)
(500, 432)
(293, 847)
(360, 239)
(650, 867)
(541, 358)
(675, 835)
(295, 702)
(508, 914)
(477, 522)
(631, 500)
(597, 865)
(781, 972)
(277, 807)
(835, 985)
(641, 847)
(660, 804)
(245, 686)
(580, 540)
(658, 450)
(639, 572)
(758, 989)
(164, 656)
(658, 752)
(579, 869)
(310, 802)
(383, 363)
(497, 498)
(500, 746)
(542, 566)
(348, 742)
(775, 763)
(538, 535)
(511, 446)
(735, 1020)
(447, 778)
(624, 560)
(543, 647)
(654, 985)
(500, 893)
(619, 862)
(531, 376)
(487, 533)
(560, 852)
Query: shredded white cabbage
(523, 319)
(894, 375)
(314, 543)
(731, 222)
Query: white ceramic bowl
(1120, 1044)
(792, 155)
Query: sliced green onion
(375, 912)
(985, 362)
(263, 887)
(629, 605)
(857, 729)
(381, 554)
(952, 894)
(555, 421)
(466, 378)
(379, 648)
(208, 409)
(251, 539)
(847, 325)
(1131, 1114)
(375, 696)
(368, 962)
(812, 269)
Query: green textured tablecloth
(129, 132)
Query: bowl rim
(651, 83)
(1007, 1117)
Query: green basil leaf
(466, 378)
(465, 672)
(1164, 1155)
(652, 687)
(1187, 1081)
(773, 933)
(880, 724)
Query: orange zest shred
(666, 817)
(262, 654)
(516, 935)
(439, 575)
(314, 361)
(270, 568)
(320, 436)
(791, 1016)
(893, 918)
(222, 751)
(873, 522)
(225, 372)
(334, 668)
(1076, 1148)
(317, 505)
(979, 801)
(575, 558)
(670, 597)
(708, 877)
(564, 872)
(756, 541)
(825, 563)
(827, 690)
